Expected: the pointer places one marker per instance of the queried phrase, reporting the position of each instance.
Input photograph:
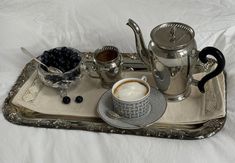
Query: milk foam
(130, 91)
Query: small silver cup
(107, 63)
(134, 108)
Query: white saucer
(157, 109)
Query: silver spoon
(49, 68)
(113, 115)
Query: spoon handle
(112, 114)
(31, 55)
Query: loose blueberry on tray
(66, 100)
(78, 99)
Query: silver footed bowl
(60, 80)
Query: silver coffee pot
(172, 56)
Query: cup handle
(220, 65)
(144, 78)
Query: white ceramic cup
(131, 108)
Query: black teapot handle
(220, 64)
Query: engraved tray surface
(27, 117)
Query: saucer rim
(130, 126)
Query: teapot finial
(172, 34)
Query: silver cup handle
(144, 78)
(90, 69)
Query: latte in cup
(130, 90)
(130, 97)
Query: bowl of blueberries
(67, 60)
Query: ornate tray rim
(26, 117)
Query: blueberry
(71, 78)
(44, 68)
(67, 54)
(50, 55)
(73, 57)
(66, 100)
(79, 58)
(63, 49)
(44, 57)
(74, 65)
(53, 57)
(75, 53)
(59, 53)
(78, 99)
(67, 67)
(70, 51)
(64, 58)
(45, 53)
(55, 51)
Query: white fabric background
(87, 25)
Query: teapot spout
(140, 45)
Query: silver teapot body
(172, 56)
(172, 69)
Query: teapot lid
(172, 36)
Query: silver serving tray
(27, 117)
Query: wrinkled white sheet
(87, 25)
